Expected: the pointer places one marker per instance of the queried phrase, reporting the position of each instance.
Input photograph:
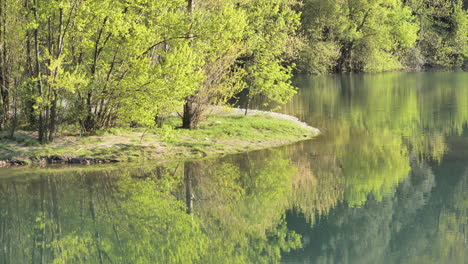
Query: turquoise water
(399, 143)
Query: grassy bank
(217, 135)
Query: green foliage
(383, 35)
(367, 35)
(98, 64)
(318, 57)
(271, 25)
(442, 39)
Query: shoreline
(241, 111)
(226, 131)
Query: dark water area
(386, 182)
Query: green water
(386, 182)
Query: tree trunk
(30, 72)
(53, 116)
(190, 6)
(14, 118)
(4, 68)
(247, 101)
(41, 127)
(53, 93)
(188, 118)
(89, 121)
(344, 62)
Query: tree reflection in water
(386, 182)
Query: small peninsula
(224, 132)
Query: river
(386, 182)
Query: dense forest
(100, 63)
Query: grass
(216, 135)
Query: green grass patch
(246, 128)
(215, 135)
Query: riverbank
(227, 131)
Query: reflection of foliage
(98, 218)
(366, 234)
(358, 235)
(241, 203)
(446, 229)
(430, 146)
(373, 123)
(450, 245)
(368, 165)
(378, 129)
(74, 247)
(135, 216)
(420, 107)
(153, 225)
(318, 182)
(373, 165)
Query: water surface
(386, 182)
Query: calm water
(387, 182)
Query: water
(387, 182)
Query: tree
(272, 25)
(217, 34)
(369, 35)
(442, 38)
(12, 37)
(242, 46)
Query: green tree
(367, 35)
(442, 40)
(12, 39)
(216, 36)
(243, 45)
(272, 25)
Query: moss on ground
(216, 135)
